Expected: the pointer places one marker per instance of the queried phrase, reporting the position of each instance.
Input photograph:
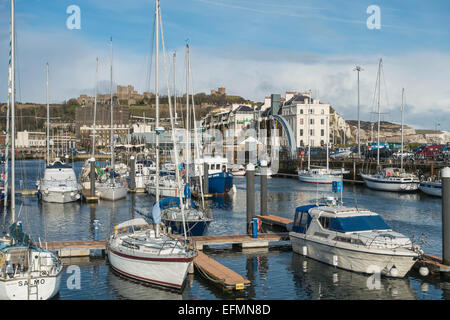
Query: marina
(416, 214)
(159, 193)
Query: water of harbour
(275, 273)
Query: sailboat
(139, 250)
(318, 175)
(390, 179)
(195, 218)
(112, 189)
(59, 183)
(26, 270)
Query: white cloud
(250, 72)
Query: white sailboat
(112, 189)
(26, 271)
(319, 175)
(390, 179)
(59, 183)
(140, 251)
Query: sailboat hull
(318, 178)
(162, 272)
(17, 289)
(398, 185)
(112, 193)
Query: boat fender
(335, 260)
(394, 271)
(305, 250)
(423, 270)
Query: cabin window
(301, 220)
(325, 222)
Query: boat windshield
(358, 223)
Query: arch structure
(288, 131)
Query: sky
(252, 48)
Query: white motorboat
(432, 188)
(392, 179)
(237, 170)
(341, 153)
(351, 238)
(144, 169)
(269, 172)
(137, 251)
(59, 184)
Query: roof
(298, 98)
(243, 109)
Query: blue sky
(253, 48)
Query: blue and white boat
(352, 239)
(432, 188)
(196, 220)
(220, 181)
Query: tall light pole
(358, 69)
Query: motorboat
(354, 239)
(220, 181)
(59, 184)
(168, 186)
(432, 188)
(341, 153)
(237, 170)
(392, 179)
(143, 171)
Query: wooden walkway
(243, 240)
(219, 274)
(273, 220)
(74, 248)
(434, 264)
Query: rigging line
(150, 59)
(177, 172)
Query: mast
(175, 149)
(157, 98)
(175, 84)
(95, 108)
(309, 131)
(5, 203)
(48, 122)
(188, 131)
(379, 96)
(13, 105)
(328, 145)
(359, 69)
(112, 119)
(401, 155)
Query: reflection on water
(320, 281)
(275, 273)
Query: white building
(27, 139)
(308, 118)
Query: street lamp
(358, 69)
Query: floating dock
(273, 220)
(434, 264)
(219, 274)
(241, 240)
(67, 249)
(26, 192)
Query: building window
(301, 111)
(322, 121)
(322, 142)
(322, 132)
(301, 143)
(311, 121)
(301, 132)
(301, 121)
(311, 132)
(311, 111)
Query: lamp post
(358, 69)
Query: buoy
(335, 277)
(424, 271)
